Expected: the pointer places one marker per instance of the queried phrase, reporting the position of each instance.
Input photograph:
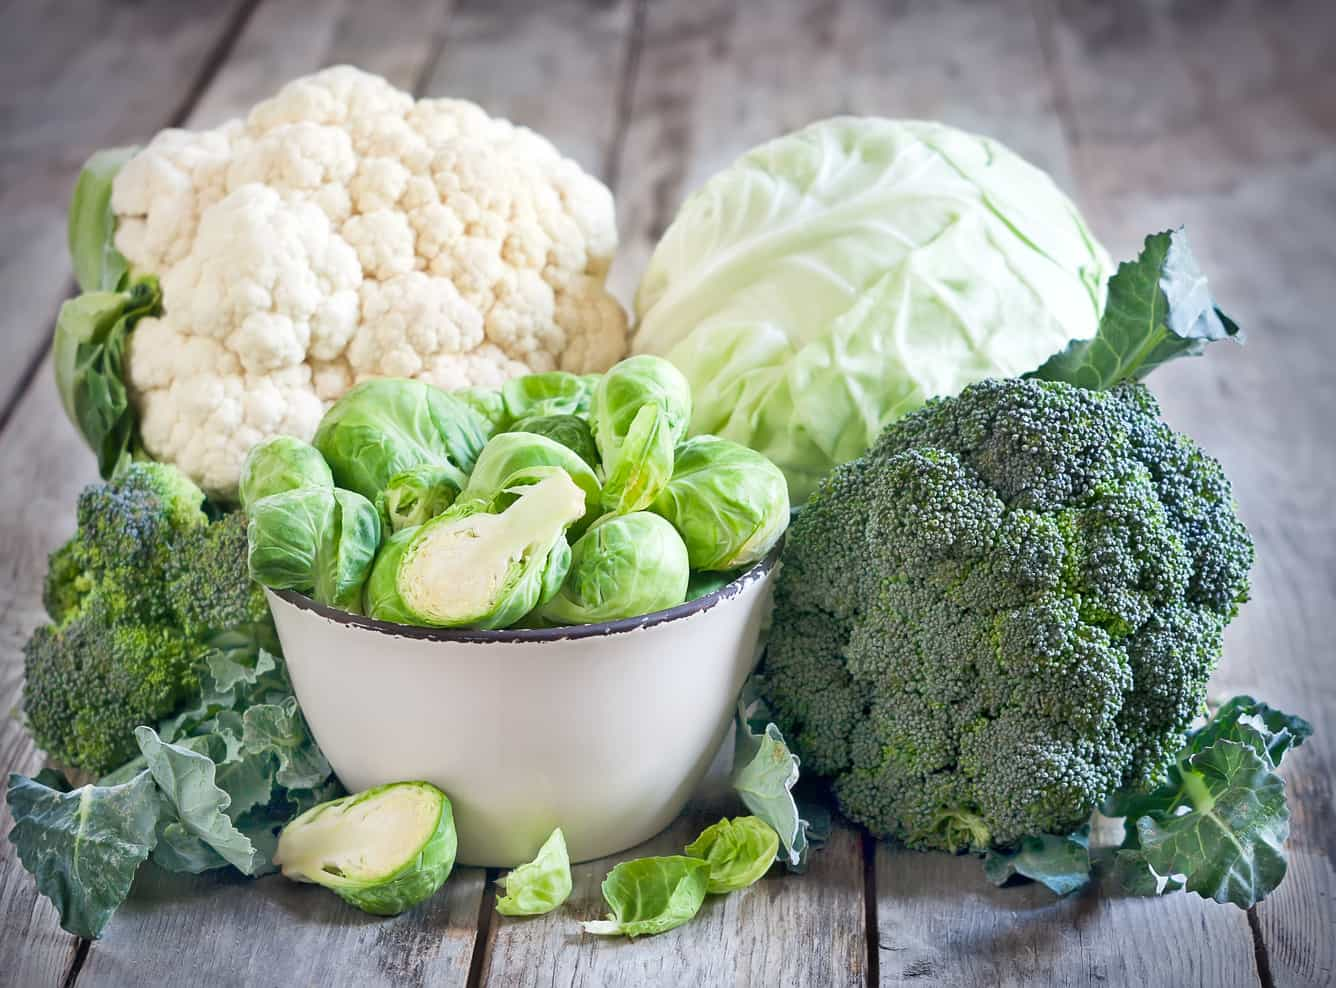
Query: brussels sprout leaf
(764, 774)
(84, 847)
(540, 885)
(1158, 308)
(1061, 863)
(739, 851)
(651, 895)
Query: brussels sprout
(540, 885)
(380, 599)
(643, 464)
(316, 540)
(571, 431)
(512, 452)
(730, 503)
(383, 850)
(740, 851)
(551, 393)
(472, 567)
(624, 566)
(386, 425)
(622, 417)
(416, 495)
(282, 463)
(489, 404)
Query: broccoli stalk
(135, 597)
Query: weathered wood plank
(222, 929)
(556, 67)
(1242, 150)
(784, 930)
(716, 78)
(941, 923)
(74, 77)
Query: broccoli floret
(1004, 611)
(135, 599)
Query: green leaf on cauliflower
(98, 265)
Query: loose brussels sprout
(730, 503)
(472, 567)
(383, 850)
(571, 431)
(320, 541)
(512, 452)
(381, 599)
(635, 443)
(624, 566)
(282, 463)
(740, 851)
(386, 425)
(643, 464)
(550, 393)
(489, 404)
(416, 495)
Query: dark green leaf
(281, 729)
(1158, 308)
(84, 847)
(1061, 863)
(187, 779)
(53, 779)
(1230, 844)
(1271, 732)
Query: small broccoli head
(1005, 610)
(136, 598)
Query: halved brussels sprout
(416, 495)
(571, 431)
(510, 452)
(383, 850)
(624, 566)
(386, 425)
(381, 599)
(472, 567)
(489, 404)
(729, 503)
(549, 393)
(314, 540)
(282, 463)
(624, 415)
(643, 464)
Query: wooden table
(1219, 116)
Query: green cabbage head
(834, 279)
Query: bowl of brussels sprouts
(543, 599)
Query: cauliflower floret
(345, 231)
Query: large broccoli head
(1005, 610)
(136, 597)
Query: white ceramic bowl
(604, 729)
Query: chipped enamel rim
(564, 633)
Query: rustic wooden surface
(1218, 115)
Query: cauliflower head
(344, 231)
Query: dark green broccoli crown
(136, 597)
(1004, 610)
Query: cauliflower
(344, 231)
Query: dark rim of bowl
(563, 633)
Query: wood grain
(76, 76)
(784, 930)
(941, 923)
(1242, 151)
